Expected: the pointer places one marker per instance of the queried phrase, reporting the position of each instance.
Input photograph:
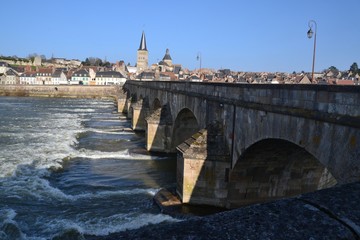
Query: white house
(11, 77)
(59, 78)
(28, 78)
(3, 67)
(109, 78)
(43, 76)
(2, 78)
(81, 77)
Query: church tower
(167, 58)
(142, 55)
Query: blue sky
(242, 35)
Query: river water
(74, 165)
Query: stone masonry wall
(66, 91)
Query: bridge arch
(134, 97)
(185, 126)
(274, 168)
(156, 104)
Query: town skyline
(108, 64)
(252, 37)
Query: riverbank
(62, 91)
(332, 213)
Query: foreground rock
(328, 214)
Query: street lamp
(198, 58)
(310, 33)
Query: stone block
(322, 97)
(252, 193)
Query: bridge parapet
(338, 104)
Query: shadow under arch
(131, 100)
(140, 110)
(272, 169)
(185, 126)
(156, 104)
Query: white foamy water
(49, 186)
(119, 222)
(85, 224)
(119, 131)
(42, 144)
(93, 154)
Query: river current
(74, 165)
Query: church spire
(143, 42)
(142, 55)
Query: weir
(63, 91)
(244, 144)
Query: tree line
(93, 61)
(354, 69)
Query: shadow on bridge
(273, 168)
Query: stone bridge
(242, 144)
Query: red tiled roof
(344, 82)
(170, 74)
(45, 70)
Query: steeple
(143, 42)
(142, 55)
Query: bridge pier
(121, 105)
(158, 131)
(139, 112)
(202, 169)
(128, 108)
(122, 100)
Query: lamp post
(198, 58)
(310, 33)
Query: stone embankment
(332, 213)
(66, 91)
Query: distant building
(166, 64)
(120, 67)
(59, 77)
(344, 82)
(92, 74)
(2, 78)
(109, 78)
(10, 77)
(130, 69)
(28, 78)
(3, 67)
(81, 77)
(167, 76)
(142, 55)
(65, 62)
(194, 78)
(59, 61)
(304, 80)
(37, 61)
(43, 76)
(146, 76)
